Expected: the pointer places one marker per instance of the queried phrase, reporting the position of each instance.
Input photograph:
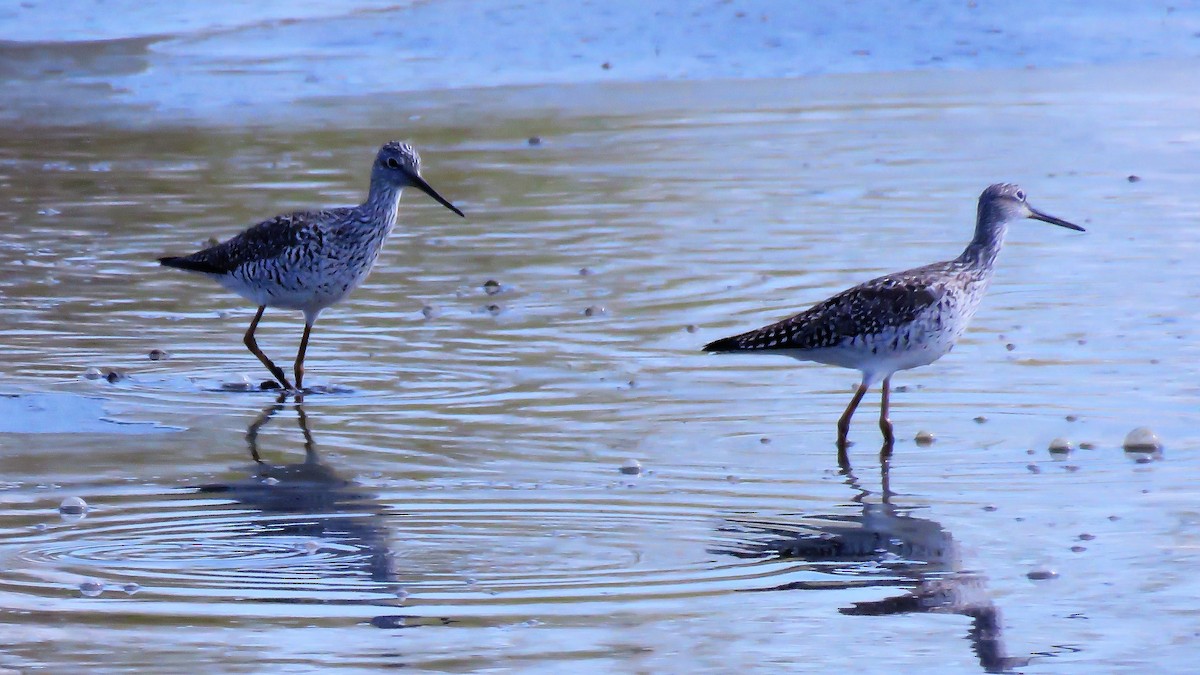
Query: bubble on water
(242, 383)
(491, 287)
(429, 311)
(401, 594)
(159, 355)
(1042, 573)
(73, 506)
(93, 373)
(1087, 445)
(270, 480)
(91, 588)
(1061, 446)
(924, 438)
(1086, 536)
(131, 588)
(1143, 439)
(631, 467)
(980, 419)
(534, 140)
(595, 310)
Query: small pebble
(900, 389)
(159, 355)
(1042, 573)
(1061, 446)
(583, 272)
(990, 508)
(1078, 549)
(595, 310)
(211, 241)
(493, 309)
(1072, 418)
(691, 328)
(924, 438)
(535, 140)
(491, 287)
(606, 65)
(91, 588)
(73, 506)
(1010, 346)
(1133, 179)
(980, 420)
(1142, 439)
(764, 440)
(113, 376)
(1033, 468)
(631, 467)
(1086, 537)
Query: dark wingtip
(182, 263)
(728, 344)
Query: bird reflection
(341, 512)
(917, 554)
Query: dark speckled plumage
(267, 240)
(897, 321)
(309, 260)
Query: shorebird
(898, 321)
(309, 260)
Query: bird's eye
(393, 164)
(1020, 195)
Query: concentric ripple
(309, 541)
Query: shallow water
(462, 479)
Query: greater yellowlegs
(309, 260)
(901, 320)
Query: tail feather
(188, 263)
(725, 344)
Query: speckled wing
(266, 240)
(869, 308)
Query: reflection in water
(341, 513)
(916, 553)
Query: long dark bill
(421, 185)
(1038, 215)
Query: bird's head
(399, 166)
(1005, 203)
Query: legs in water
(276, 371)
(885, 424)
(300, 355)
(844, 423)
